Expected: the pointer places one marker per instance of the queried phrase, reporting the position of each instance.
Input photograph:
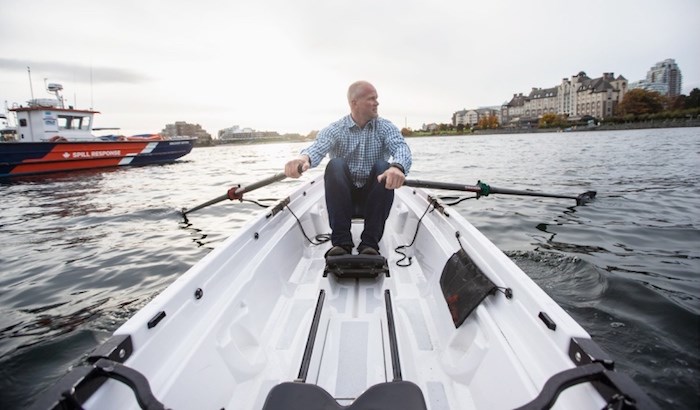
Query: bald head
(358, 88)
(363, 100)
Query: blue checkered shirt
(360, 147)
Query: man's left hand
(393, 178)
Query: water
(82, 252)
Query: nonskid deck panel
(352, 350)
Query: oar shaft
(261, 183)
(240, 191)
(507, 191)
(483, 189)
(441, 185)
(206, 204)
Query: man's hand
(291, 169)
(393, 178)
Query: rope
(400, 249)
(319, 239)
(456, 199)
(256, 202)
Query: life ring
(57, 138)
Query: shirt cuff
(399, 166)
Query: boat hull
(258, 312)
(32, 158)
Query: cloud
(81, 73)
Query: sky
(285, 65)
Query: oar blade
(587, 196)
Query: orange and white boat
(52, 138)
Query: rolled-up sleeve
(396, 144)
(320, 147)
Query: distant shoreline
(534, 130)
(421, 134)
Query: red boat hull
(28, 158)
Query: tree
(676, 102)
(489, 121)
(406, 132)
(552, 120)
(640, 102)
(693, 99)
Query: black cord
(399, 249)
(456, 199)
(319, 239)
(256, 202)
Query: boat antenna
(92, 104)
(31, 89)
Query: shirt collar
(350, 123)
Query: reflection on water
(82, 252)
(46, 326)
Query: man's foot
(367, 250)
(339, 250)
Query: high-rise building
(664, 77)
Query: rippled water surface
(82, 252)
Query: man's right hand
(291, 169)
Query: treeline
(641, 105)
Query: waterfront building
(430, 127)
(470, 118)
(664, 77)
(513, 110)
(182, 128)
(542, 101)
(595, 97)
(237, 134)
(458, 118)
(574, 98)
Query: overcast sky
(284, 65)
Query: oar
(483, 189)
(237, 192)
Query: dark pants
(344, 200)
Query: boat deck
(247, 327)
(352, 349)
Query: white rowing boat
(263, 322)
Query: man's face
(366, 103)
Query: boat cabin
(47, 120)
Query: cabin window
(22, 122)
(68, 122)
(85, 124)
